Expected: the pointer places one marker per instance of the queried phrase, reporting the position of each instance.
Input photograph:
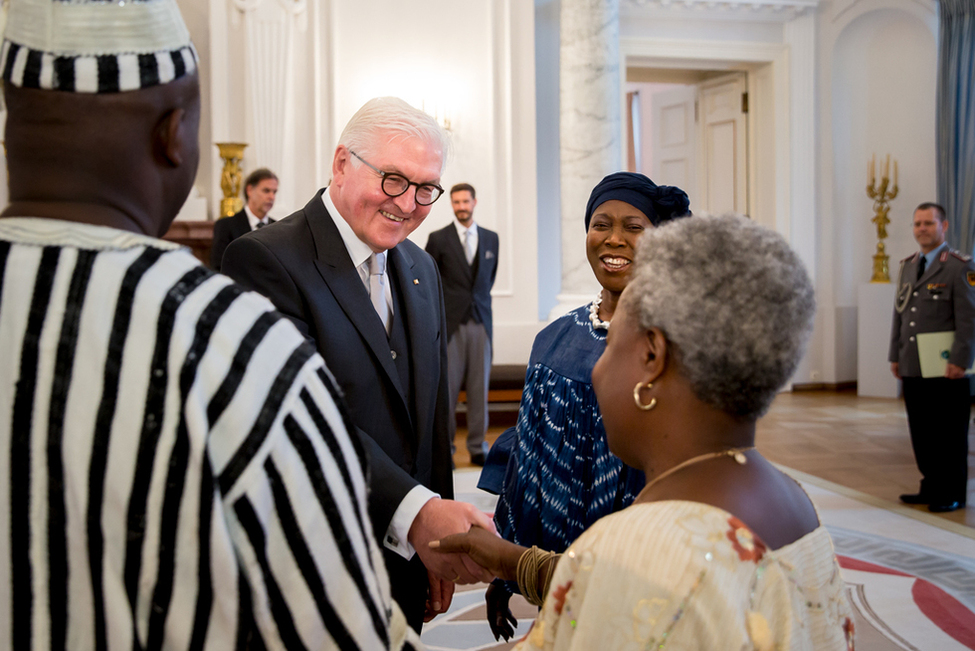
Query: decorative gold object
(231, 153)
(882, 195)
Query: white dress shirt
(461, 232)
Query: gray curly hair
(734, 301)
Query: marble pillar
(590, 132)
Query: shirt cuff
(397, 535)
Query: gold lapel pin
(416, 281)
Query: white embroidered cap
(95, 46)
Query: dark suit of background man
(936, 293)
(467, 256)
(260, 189)
(342, 269)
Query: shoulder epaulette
(910, 257)
(961, 256)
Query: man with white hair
(175, 469)
(343, 271)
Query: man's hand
(439, 597)
(895, 368)
(439, 518)
(954, 372)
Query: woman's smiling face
(611, 241)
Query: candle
(895, 173)
(887, 167)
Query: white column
(590, 140)
(801, 230)
(800, 35)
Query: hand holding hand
(486, 548)
(439, 597)
(439, 518)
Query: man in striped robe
(175, 467)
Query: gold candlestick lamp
(232, 153)
(881, 195)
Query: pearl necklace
(738, 454)
(597, 323)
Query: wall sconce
(438, 112)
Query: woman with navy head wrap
(560, 476)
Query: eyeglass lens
(394, 185)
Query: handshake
(477, 554)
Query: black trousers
(938, 413)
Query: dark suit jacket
(466, 288)
(225, 231)
(302, 265)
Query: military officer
(935, 293)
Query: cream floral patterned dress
(683, 575)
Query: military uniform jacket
(943, 299)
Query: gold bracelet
(526, 574)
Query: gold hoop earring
(636, 396)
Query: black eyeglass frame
(396, 175)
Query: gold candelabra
(232, 153)
(882, 196)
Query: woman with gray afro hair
(721, 549)
(734, 300)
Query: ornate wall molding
(779, 11)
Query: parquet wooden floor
(858, 443)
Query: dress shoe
(915, 498)
(477, 459)
(945, 507)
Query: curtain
(956, 121)
(633, 140)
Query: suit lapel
(335, 267)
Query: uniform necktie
(261, 224)
(377, 287)
(469, 246)
(921, 266)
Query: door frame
(650, 52)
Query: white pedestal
(874, 308)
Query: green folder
(933, 351)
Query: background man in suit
(467, 256)
(936, 293)
(343, 271)
(260, 189)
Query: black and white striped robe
(174, 470)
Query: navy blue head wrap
(660, 203)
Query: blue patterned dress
(561, 476)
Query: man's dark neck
(84, 213)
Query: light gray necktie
(377, 287)
(469, 246)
